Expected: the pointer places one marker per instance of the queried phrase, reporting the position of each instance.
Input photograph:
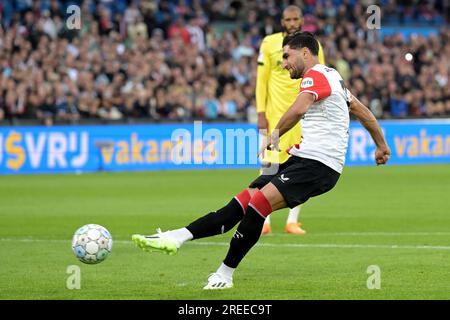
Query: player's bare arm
(368, 120)
(290, 119)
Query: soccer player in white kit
(315, 165)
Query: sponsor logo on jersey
(307, 82)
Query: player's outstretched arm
(289, 119)
(368, 120)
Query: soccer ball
(92, 243)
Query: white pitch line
(333, 245)
(369, 234)
(270, 245)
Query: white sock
(226, 271)
(293, 215)
(180, 236)
(267, 220)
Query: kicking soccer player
(314, 167)
(276, 91)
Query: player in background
(275, 93)
(314, 167)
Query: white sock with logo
(293, 215)
(180, 236)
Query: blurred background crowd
(179, 60)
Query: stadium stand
(181, 60)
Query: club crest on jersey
(307, 82)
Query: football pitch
(394, 217)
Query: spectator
(211, 104)
(143, 61)
(196, 34)
(399, 107)
(164, 109)
(109, 112)
(179, 29)
(227, 103)
(47, 111)
(142, 105)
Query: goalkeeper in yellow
(275, 93)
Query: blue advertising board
(65, 149)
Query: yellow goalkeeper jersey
(275, 90)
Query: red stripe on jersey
(316, 83)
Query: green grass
(357, 224)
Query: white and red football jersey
(325, 126)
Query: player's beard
(296, 72)
(293, 30)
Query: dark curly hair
(300, 40)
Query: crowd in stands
(196, 59)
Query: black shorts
(299, 179)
